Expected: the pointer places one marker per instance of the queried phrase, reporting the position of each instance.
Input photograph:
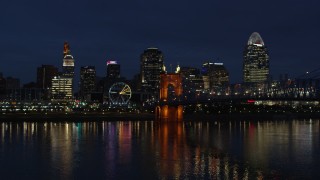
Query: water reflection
(215, 150)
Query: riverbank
(109, 116)
(250, 116)
(126, 116)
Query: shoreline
(113, 116)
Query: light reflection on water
(151, 150)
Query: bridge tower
(168, 110)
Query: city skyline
(188, 33)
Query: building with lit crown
(255, 60)
(113, 69)
(62, 86)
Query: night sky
(32, 33)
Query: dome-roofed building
(255, 60)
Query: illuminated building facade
(191, 80)
(45, 74)
(205, 71)
(61, 88)
(150, 69)
(255, 60)
(216, 78)
(113, 69)
(87, 80)
(68, 62)
(219, 79)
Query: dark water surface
(149, 150)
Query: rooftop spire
(66, 49)
(255, 38)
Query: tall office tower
(255, 60)
(150, 69)
(68, 62)
(113, 69)
(62, 86)
(87, 80)
(45, 74)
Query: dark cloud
(188, 32)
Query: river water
(275, 149)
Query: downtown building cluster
(210, 80)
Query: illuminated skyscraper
(62, 86)
(150, 69)
(255, 60)
(87, 80)
(68, 62)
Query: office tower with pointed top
(68, 62)
(151, 64)
(255, 60)
(62, 85)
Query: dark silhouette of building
(45, 74)
(12, 83)
(87, 80)
(113, 70)
(151, 64)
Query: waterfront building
(151, 64)
(255, 60)
(219, 79)
(87, 80)
(61, 88)
(216, 78)
(191, 80)
(45, 73)
(24, 95)
(205, 71)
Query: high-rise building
(191, 80)
(45, 74)
(61, 88)
(205, 71)
(151, 65)
(87, 80)
(68, 62)
(255, 60)
(113, 69)
(216, 78)
(219, 79)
